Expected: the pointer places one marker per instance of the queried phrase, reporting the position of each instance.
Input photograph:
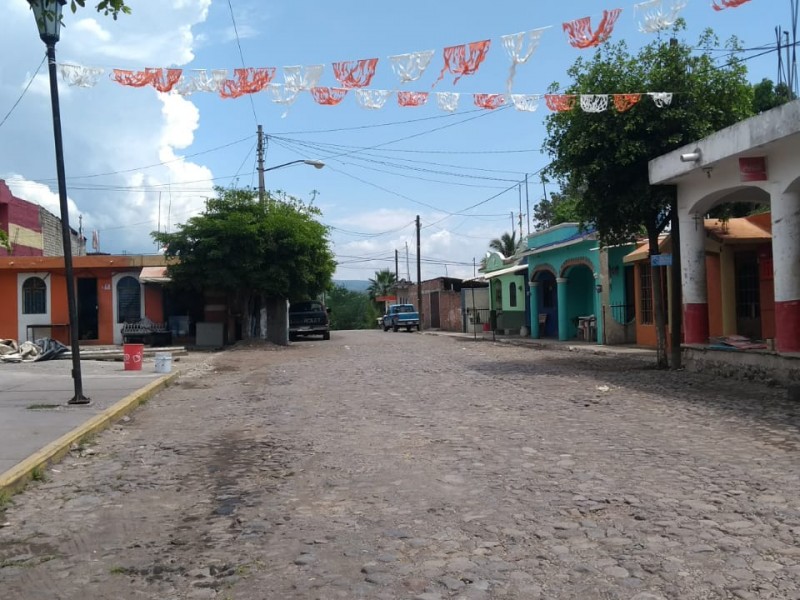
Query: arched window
(498, 294)
(512, 293)
(129, 300)
(34, 296)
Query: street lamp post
(317, 164)
(48, 20)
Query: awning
(154, 275)
(505, 271)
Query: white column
(693, 277)
(786, 269)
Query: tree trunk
(658, 303)
(277, 321)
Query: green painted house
(507, 292)
(576, 288)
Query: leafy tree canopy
(604, 155)
(559, 208)
(241, 246)
(351, 310)
(767, 95)
(381, 284)
(4, 241)
(108, 7)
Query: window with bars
(512, 294)
(646, 294)
(129, 300)
(34, 296)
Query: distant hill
(354, 285)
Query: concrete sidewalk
(628, 351)
(36, 424)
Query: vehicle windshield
(306, 307)
(405, 308)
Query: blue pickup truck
(401, 315)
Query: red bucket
(132, 356)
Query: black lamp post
(48, 20)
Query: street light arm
(314, 163)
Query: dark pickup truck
(309, 318)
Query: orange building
(739, 279)
(110, 290)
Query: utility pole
(519, 189)
(408, 265)
(513, 225)
(527, 204)
(474, 310)
(396, 269)
(262, 192)
(419, 275)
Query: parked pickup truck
(309, 318)
(401, 315)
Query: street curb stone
(17, 477)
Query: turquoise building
(576, 289)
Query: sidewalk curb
(535, 344)
(17, 477)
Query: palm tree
(382, 284)
(506, 244)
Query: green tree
(559, 208)
(260, 255)
(506, 244)
(767, 95)
(350, 309)
(382, 284)
(108, 7)
(4, 241)
(606, 154)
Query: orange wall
(59, 312)
(10, 309)
(154, 303)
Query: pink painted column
(786, 268)
(693, 277)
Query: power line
(22, 95)
(241, 55)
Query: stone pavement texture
(394, 465)
(33, 401)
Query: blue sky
(137, 159)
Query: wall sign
(753, 168)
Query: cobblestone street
(398, 465)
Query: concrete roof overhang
(756, 135)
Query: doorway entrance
(87, 309)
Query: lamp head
(692, 156)
(48, 18)
(317, 164)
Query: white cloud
(92, 28)
(107, 129)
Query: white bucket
(163, 362)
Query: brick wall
(51, 236)
(32, 230)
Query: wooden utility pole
(419, 274)
(396, 267)
(262, 192)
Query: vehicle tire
(417, 326)
(326, 335)
(395, 328)
(408, 329)
(385, 328)
(292, 337)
